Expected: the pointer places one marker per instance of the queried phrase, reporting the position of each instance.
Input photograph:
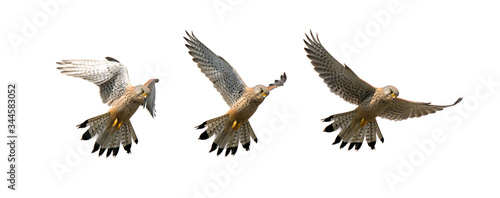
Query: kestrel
(232, 127)
(112, 127)
(372, 102)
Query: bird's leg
(116, 124)
(119, 125)
(236, 125)
(363, 122)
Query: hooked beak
(393, 95)
(145, 95)
(264, 95)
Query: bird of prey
(372, 102)
(112, 127)
(233, 127)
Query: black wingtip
(337, 140)
(201, 126)
(112, 59)
(328, 128)
(219, 151)
(214, 146)
(228, 150)
(372, 144)
(203, 136)
(83, 124)
(256, 140)
(247, 146)
(128, 147)
(86, 136)
(342, 145)
(96, 147)
(136, 141)
(458, 100)
(382, 140)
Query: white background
(431, 51)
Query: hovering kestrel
(372, 102)
(232, 127)
(112, 127)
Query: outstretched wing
(278, 83)
(339, 78)
(225, 79)
(401, 109)
(149, 103)
(109, 75)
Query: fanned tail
(108, 138)
(226, 137)
(351, 131)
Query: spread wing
(110, 75)
(339, 78)
(149, 103)
(225, 79)
(401, 109)
(278, 83)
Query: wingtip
(458, 100)
(112, 59)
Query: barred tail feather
(107, 137)
(96, 125)
(339, 121)
(226, 137)
(247, 133)
(213, 126)
(351, 132)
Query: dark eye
(142, 90)
(391, 91)
(261, 90)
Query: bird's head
(391, 92)
(260, 91)
(141, 91)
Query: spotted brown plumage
(372, 102)
(113, 127)
(233, 127)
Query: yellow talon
(234, 124)
(115, 122)
(363, 122)
(119, 125)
